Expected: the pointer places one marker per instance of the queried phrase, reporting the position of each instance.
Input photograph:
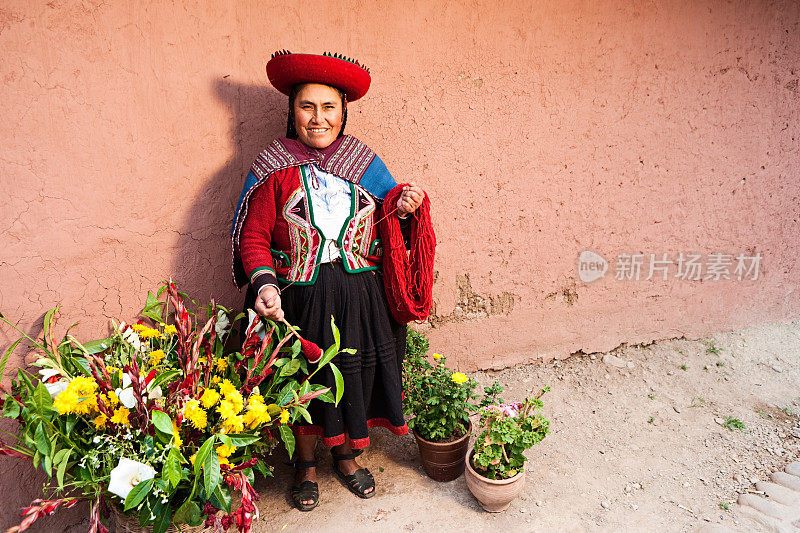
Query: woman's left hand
(410, 199)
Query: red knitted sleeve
(256, 237)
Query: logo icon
(591, 266)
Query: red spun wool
(312, 352)
(408, 277)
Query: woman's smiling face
(318, 115)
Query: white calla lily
(56, 388)
(222, 323)
(126, 475)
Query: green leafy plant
(697, 402)
(724, 506)
(438, 399)
(733, 424)
(507, 430)
(157, 420)
(650, 420)
(684, 368)
(711, 347)
(651, 396)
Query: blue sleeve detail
(377, 180)
(249, 182)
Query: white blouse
(330, 201)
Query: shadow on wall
(202, 258)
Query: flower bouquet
(496, 466)
(439, 402)
(157, 423)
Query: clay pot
(443, 461)
(494, 495)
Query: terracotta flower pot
(494, 495)
(443, 461)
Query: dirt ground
(637, 444)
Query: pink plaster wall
(539, 130)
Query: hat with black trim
(285, 69)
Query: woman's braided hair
(291, 132)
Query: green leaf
(41, 440)
(287, 393)
(335, 334)
(172, 471)
(288, 439)
(138, 493)
(48, 322)
(303, 411)
(162, 422)
(71, 421)
(11, 407)
(326, 397)
(202, 453)
(163, 518)
(6, 355)
(62, 467)
(290, 368)
(97, 346)
(328, 355)
(47, 465)
(337, 375)
(42, 401)
(211, 474)
(163, 377)
(221, 498)
(239, 439)
(187, 513)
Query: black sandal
(306, 490)
(357, 482)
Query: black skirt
(372, 383)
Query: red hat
(286, 69)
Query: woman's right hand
(268, 303)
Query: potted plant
(156, 424)
(495, 471)
(439, 402)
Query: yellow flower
(195, 414)
(176, 435)
(223, 460)
(233, 424)
(201, 360)
(149, 333)
(227, 388)
(257, 412)
(80, 397)
(437, 356)
(138, 327)
(156, 356)
(284, 416)
(170, 329)
(225, 450)
(209, 398)
(215, 380)
(121, 416)
(101, 421)
(111, 369)
(222, 364)
(459, 377)
(113, 401)
(192, 458)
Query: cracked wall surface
(539, 130)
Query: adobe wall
(540, 130)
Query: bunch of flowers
(507, 430)
(438, 399)
(157, 419)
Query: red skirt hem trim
(356, 444)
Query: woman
(305, 237)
